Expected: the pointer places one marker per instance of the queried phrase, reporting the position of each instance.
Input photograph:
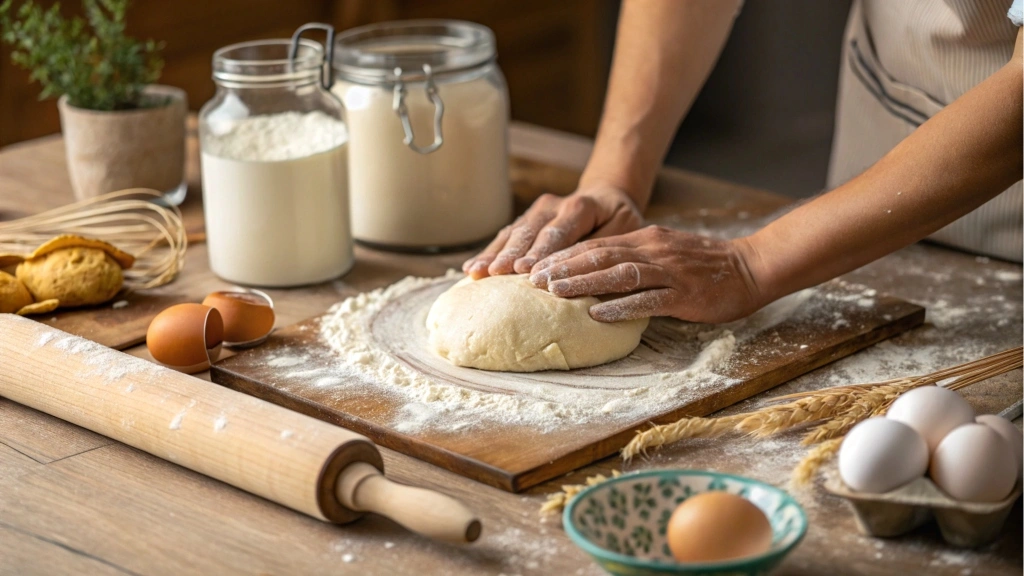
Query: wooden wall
(555, 54)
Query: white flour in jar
(456, 195)
(275, 193)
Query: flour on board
(428, 402)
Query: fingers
(585, 263)
(577, 249)
(519, 241)
(645, 304)
(476, 267)
(575, 219)
(523, 233)
(619, 279)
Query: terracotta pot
(142, 148)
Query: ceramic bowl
(621, 523)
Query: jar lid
(370, 54)
(267, 63)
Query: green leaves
(92, 61)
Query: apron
(903, 61)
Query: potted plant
(120, 129)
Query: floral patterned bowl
(621, 522)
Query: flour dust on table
(378, 347)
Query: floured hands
(658, 272)
(553, 223)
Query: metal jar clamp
(327, 71)
(327, 80)
(403, 112)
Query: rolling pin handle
(363, 488)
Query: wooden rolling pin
(307, 465)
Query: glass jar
(275, 180)
(427, 111)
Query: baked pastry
(13, 294)
(75, 276)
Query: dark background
(764, 118)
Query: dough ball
(506, 323)
(74, 276)
(13, 294)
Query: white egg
(974, 464)
(1009, 432)
(879, 455)
(933, 411)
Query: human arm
(664, 51)
(959, 159)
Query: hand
(553, 223)
(660, 272)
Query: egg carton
(963, 524)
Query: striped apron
(903, 60)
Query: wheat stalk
(842, 407)
(813, 460)
(860, 408)
(557, 501)
(759, 424)
(129, 219)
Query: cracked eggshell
(186, 337)
(879, 455)
(248, 315)
(973, 464)
(933, 411)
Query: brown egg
(248, 316)
(186, 337)
(717, 526)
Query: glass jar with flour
(275, 172)
(427, 111)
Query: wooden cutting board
(515, 457)
(119, 328)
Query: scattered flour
(176, 421)
(286, 434)
(103, 362)
(515, 399)
(700, 357)
(119, 304)
(286, 361)
(1007, 276)
(220, 423)
(328, 381)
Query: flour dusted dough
(505, 323)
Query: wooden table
(73, 502)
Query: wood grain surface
(75, 503)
